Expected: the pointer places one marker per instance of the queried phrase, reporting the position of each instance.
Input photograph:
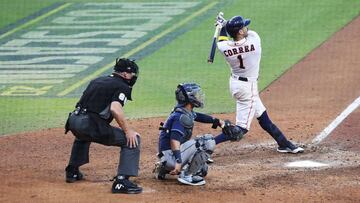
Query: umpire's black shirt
(101, 91)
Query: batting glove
(220, 20)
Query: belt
(241, 78)
(80, 110)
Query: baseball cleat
(191, 180)
(291, 149)
(125, 186)
(73, 174)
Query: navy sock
(220, 138)
(273, 130)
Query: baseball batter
(243, 55)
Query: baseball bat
(213, 45)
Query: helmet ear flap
(181, 95)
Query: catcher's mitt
(233, 132)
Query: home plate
(305, 164)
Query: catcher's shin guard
(197, 162)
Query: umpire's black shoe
(73, 174)
(125, 186)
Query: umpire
(101, 102)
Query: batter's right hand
(131, 137)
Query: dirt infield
(302, 103)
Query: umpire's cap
(129, 66)
(126, 65)
(235, 24)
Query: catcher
(178, 153)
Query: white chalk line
(337, 121)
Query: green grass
(289, 30)
(26, 114)
(13, 10)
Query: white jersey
(243, 56)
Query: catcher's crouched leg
(160, 170)
(198, 165)
(205, 147)
(203, 171)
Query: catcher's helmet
(235, 24)
(190, 93)
(129, 66)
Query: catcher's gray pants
(187, 149)
(89, 128)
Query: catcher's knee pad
(206, 143)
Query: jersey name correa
(243, 56)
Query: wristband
(177, 156)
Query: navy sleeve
(203, 118)
(175, 135)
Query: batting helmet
(235, 24)
(129, 66)
(190, 93)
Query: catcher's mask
(129, 66)
(190, 93)
(235, 24)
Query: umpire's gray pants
(187, 149)
(89, 128)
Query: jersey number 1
(241, 62)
